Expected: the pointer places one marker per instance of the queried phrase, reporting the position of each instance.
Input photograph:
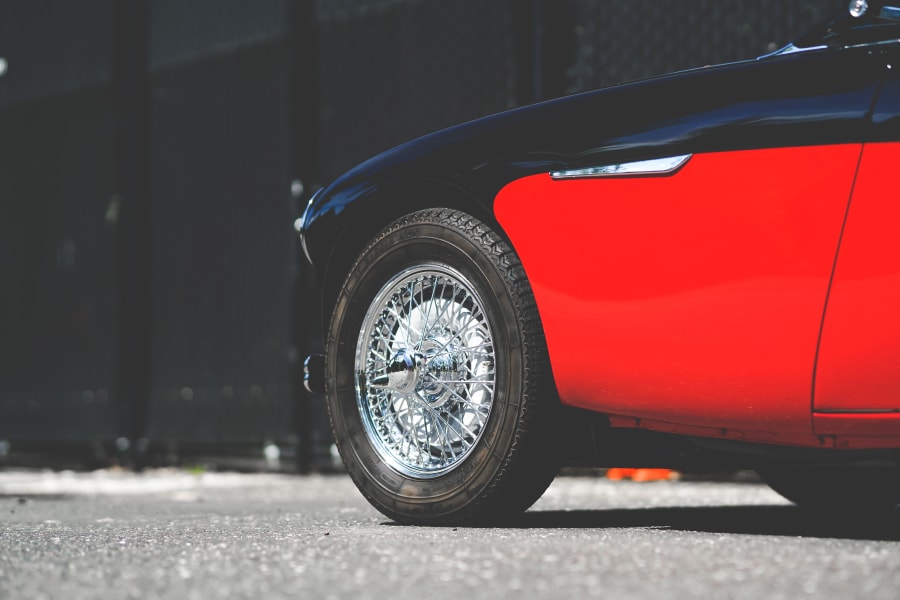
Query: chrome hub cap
(425, 372)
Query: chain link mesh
(391, 70)
(623, 41)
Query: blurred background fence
(154, 154)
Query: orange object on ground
(617, 474)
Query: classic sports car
(698, 271)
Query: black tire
(837, 488)
(503, 428)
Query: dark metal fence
(622, 41)
(59, 301)
(154, 153)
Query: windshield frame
(878, 23)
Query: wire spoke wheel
(425, 369)
(437, 376)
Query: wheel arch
(376, 211)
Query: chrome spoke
(425, 367)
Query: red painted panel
(758, 436)
(694, 298)
(844, 424)
(859, 356)
(835, 430)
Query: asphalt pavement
(174, 534)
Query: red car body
(758, 303)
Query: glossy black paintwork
(806, 98)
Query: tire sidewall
(400, 496)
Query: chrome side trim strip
(655, 166)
